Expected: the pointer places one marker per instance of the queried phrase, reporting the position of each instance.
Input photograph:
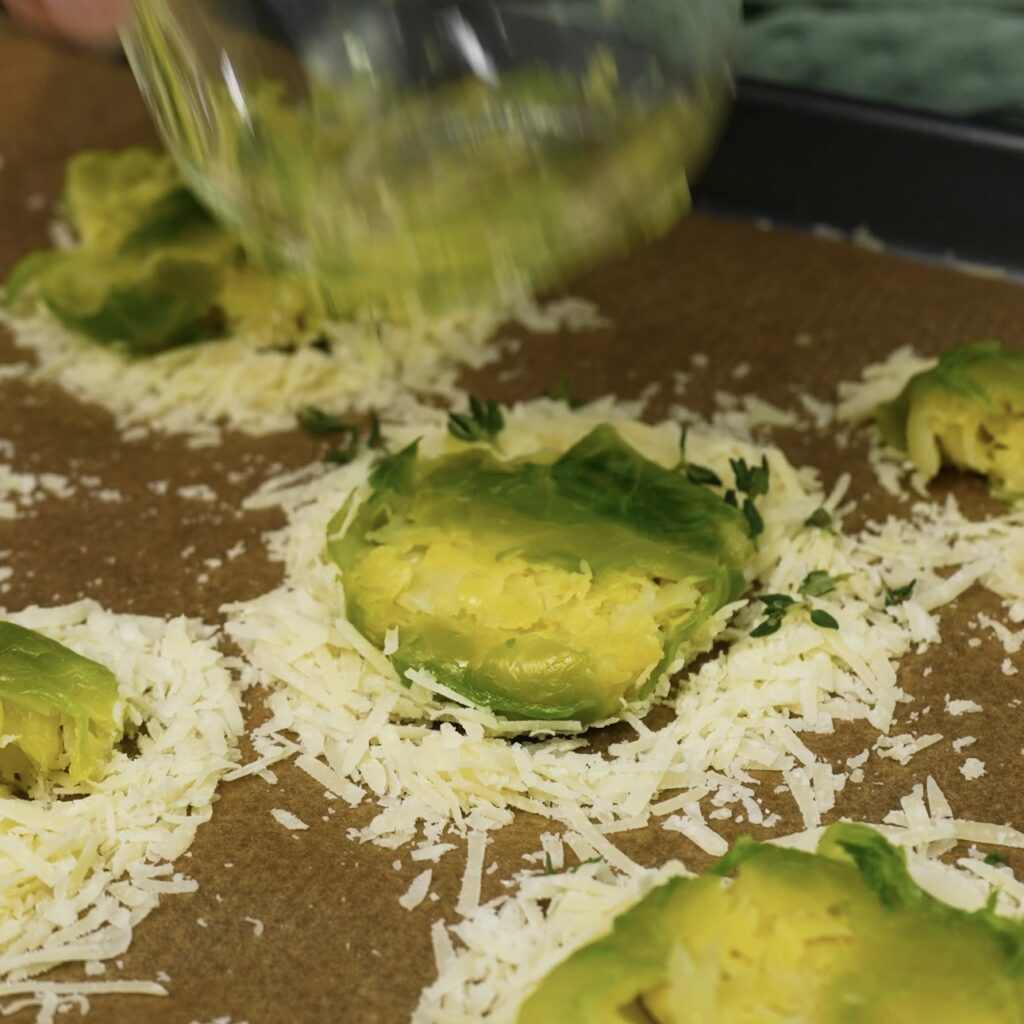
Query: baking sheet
(337, 946)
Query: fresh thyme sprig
(483, 422)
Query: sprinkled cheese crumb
(417, 891)
(961, 707)
(963, 743)
(197, 492)
(469, 891)
(1011, 640)
(289, 820)
(257, 925)
(1008, 667)
(432, 852)
(903, 747)
(972, 769)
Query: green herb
(348, 451)
(822, 618)
(374, 437)
(684, 432)
(772, 624)
(562, 392)
(483, 422)
(730, 498)
(897, 595)
(751, 480)
(753, 517)
(318, 423)
(778, 606)
(549, 868)
(820, 519)
(994, 860)
(584, 863)
(702, 475)
(819, 583)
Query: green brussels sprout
(152, 270)
(58, 710)
(843, 936)
(541, 589)
(967, 411)
(107, 193)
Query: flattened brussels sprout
(152, 269)
(967, 411)
(57, 709)
(108, 193)
(844, 936)
(542, 590)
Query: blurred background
(898, 120)
(963, 58)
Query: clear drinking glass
(420, 155)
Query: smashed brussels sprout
(57, 709)
(844, 936)
(540, 589)
(151, 269)
(967, 411)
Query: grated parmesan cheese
(438, 764)
(76, 876)
(961, 707)
(289, 820)
(251, 384)
(549, 916)
(417, 891)
(469, 891)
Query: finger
(87, 22)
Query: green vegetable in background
(843, 936)
(967, 411)
(151, 269)
(540, 588)
(57, 708)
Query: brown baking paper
(337, 947)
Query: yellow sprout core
(960, 433)
(464, 583)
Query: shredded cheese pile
(431, 764)
(77, 875)
(550, 915)
(250, 383)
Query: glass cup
(419, 156)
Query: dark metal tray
(936, 186)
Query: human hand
(91, 23)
